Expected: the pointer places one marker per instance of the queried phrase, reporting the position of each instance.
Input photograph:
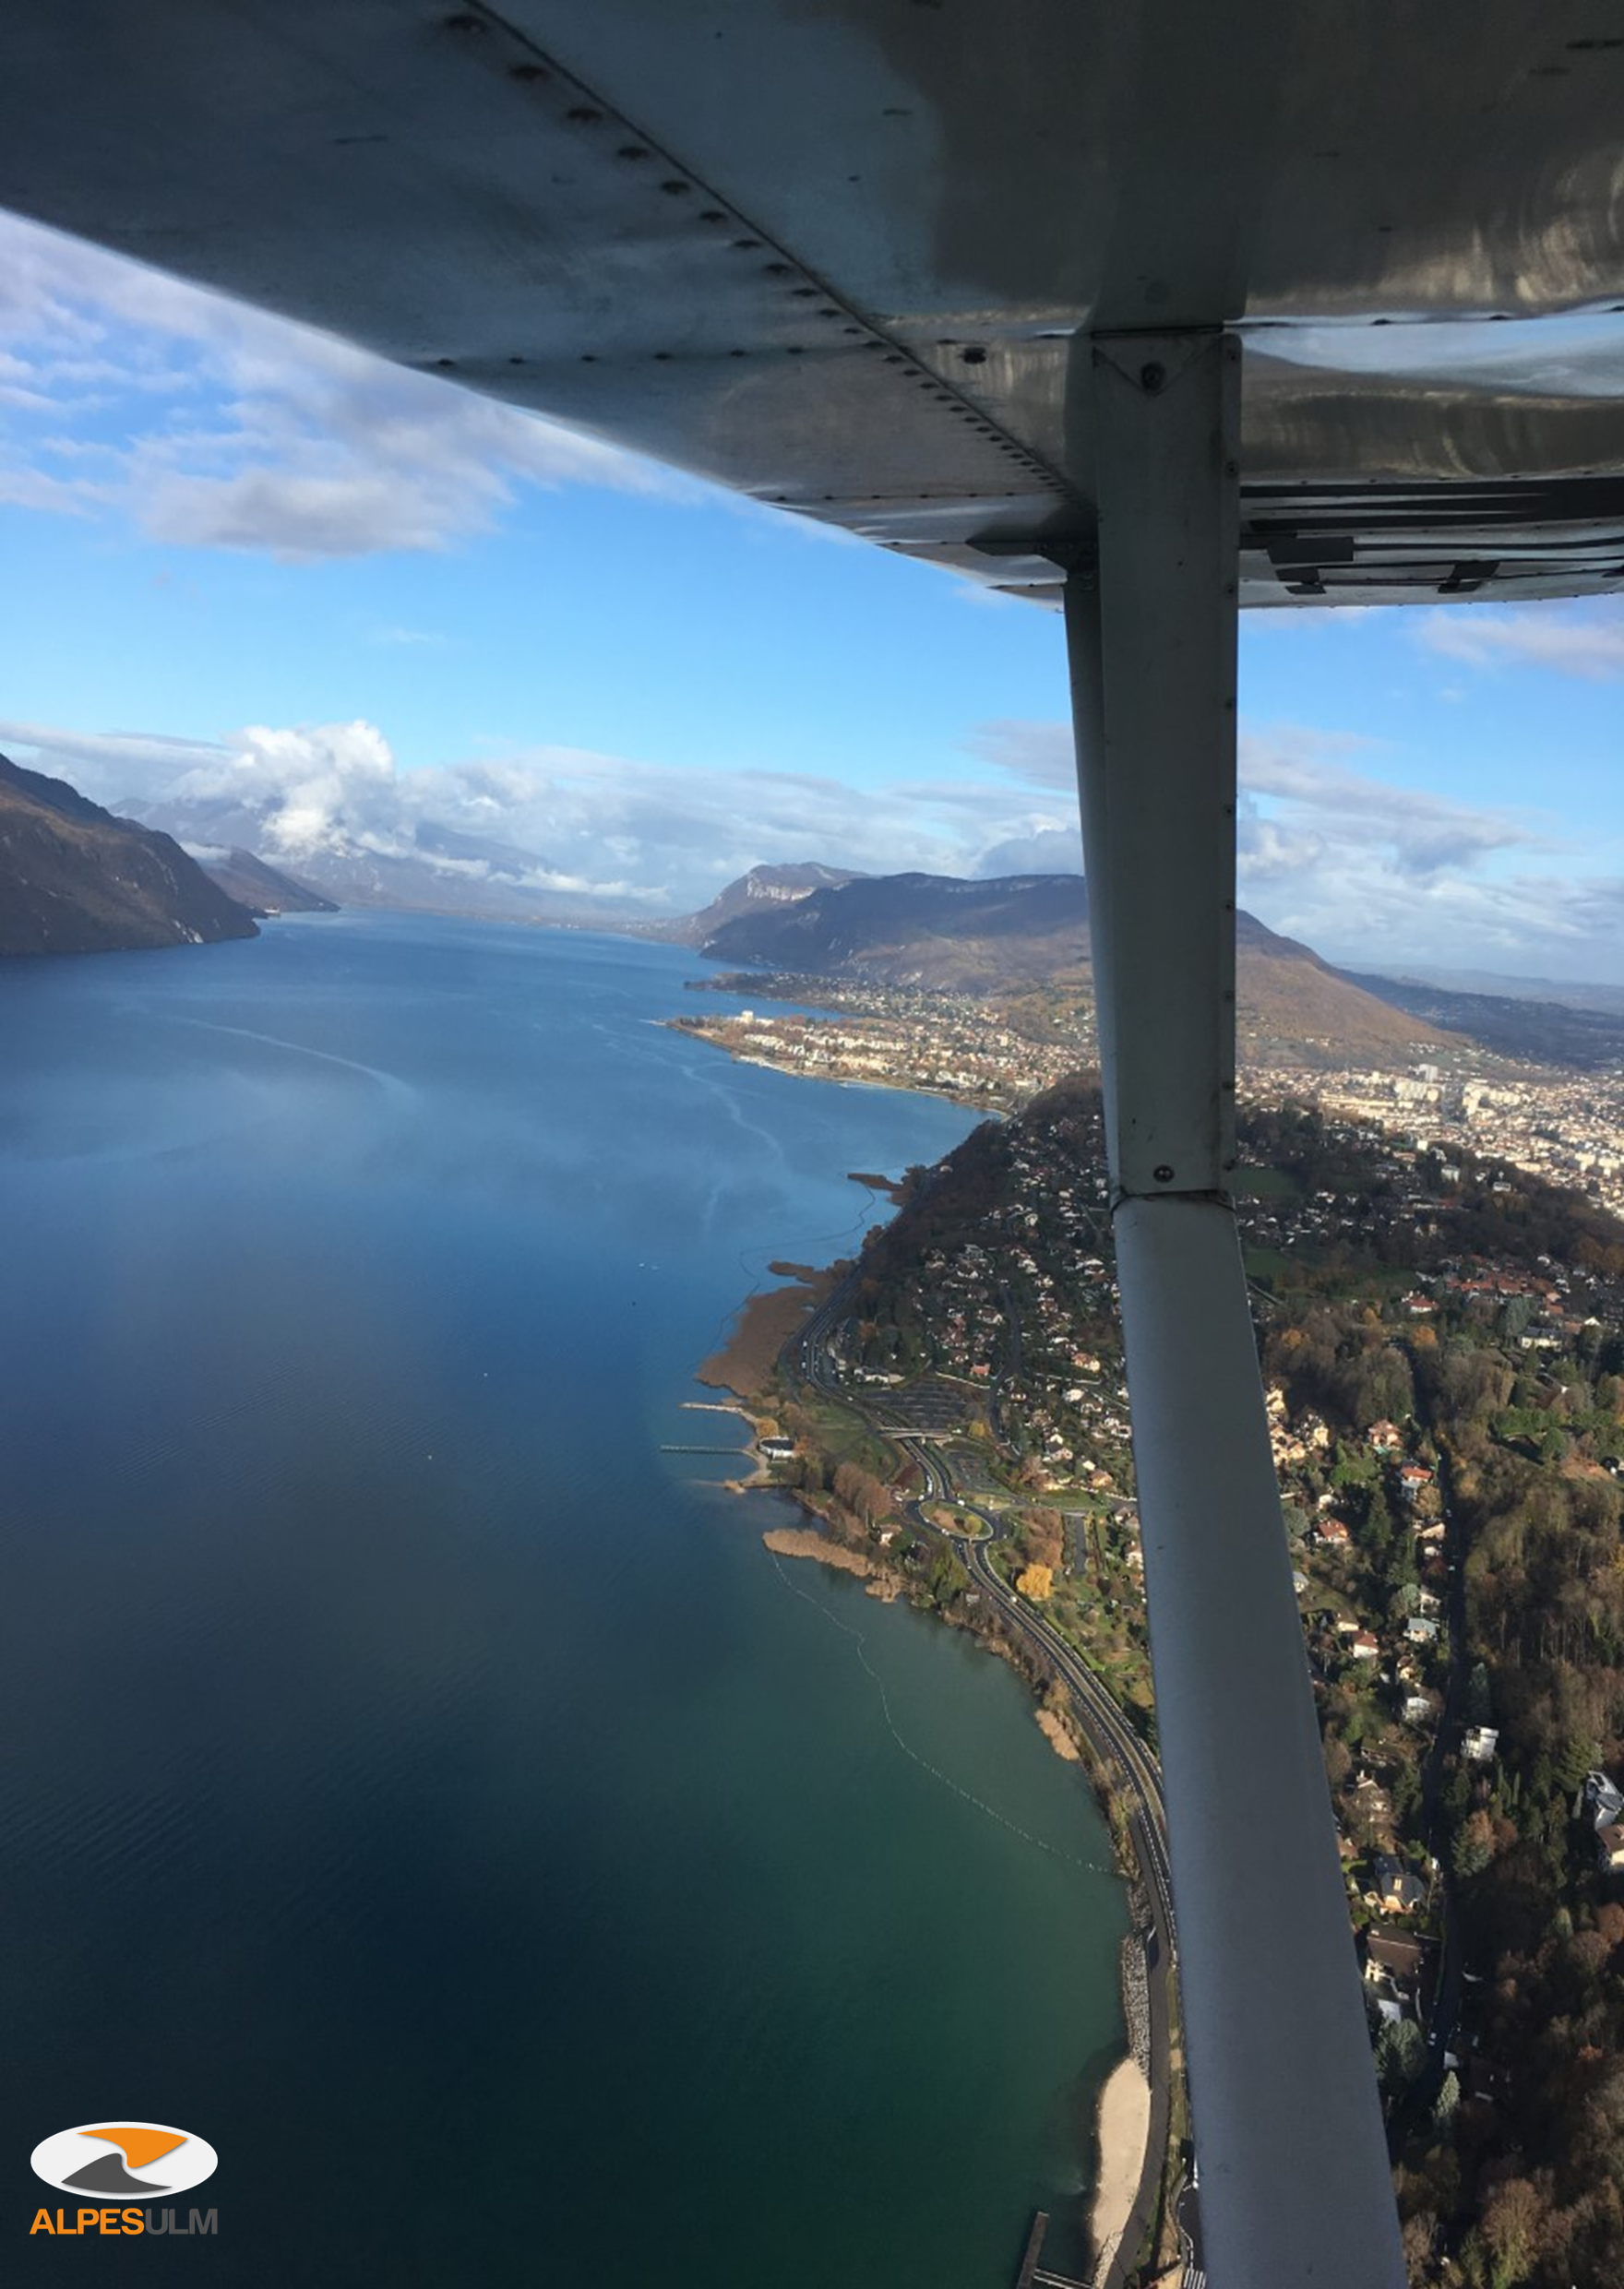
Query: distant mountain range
(263, 890)
(425, 869)
(939, 933)
(1585, 1033)
(1500, 986)
(74, 879)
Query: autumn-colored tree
(861, 1492)
(1042, 1539)
(1420, 2234)
(1509, 2233)
(1474, 1846)
(1036, 1582)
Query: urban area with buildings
(1565, 1125)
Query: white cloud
(1422, 835)
(1588, 643)
(1047, 849)
(1360, 867)
(1298, 795)
(407, 639)
(226, 428)
(1364, 871)
(554, 818)
(1040, 754)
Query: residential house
(1602, 1805)
(1394, 1886)
(1397, 1969)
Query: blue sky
(247, 558)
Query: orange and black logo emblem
(124, 2161)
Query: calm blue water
(413, 1781)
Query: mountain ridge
(78, 879)
(264, 889)
(1017, 933)
(766, 887)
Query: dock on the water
(1035, 2276)
(1035, 2250)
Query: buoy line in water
(859, 1640)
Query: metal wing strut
(1295, 2183)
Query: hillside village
(1444, 1365)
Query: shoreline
(1125, 2108)
(841, 1080)
(1121, 2128)
(750, 1367)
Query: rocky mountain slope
(767, 891)
(262, 890)
(74, 879)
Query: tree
(861, 1492)
(1036, 1582)
(946, 1577)
(1509, 2232)
(1041, 1536)
(1401, 2053)
(1575, 1757)
(1420, 2232)
(1474, 1846)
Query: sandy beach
(1125, 2122)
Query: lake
(416, 1782)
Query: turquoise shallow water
(414, 1781)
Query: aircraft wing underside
(841, 254)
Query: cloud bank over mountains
(544, 830)
(1372, 873)
(1329, 853)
